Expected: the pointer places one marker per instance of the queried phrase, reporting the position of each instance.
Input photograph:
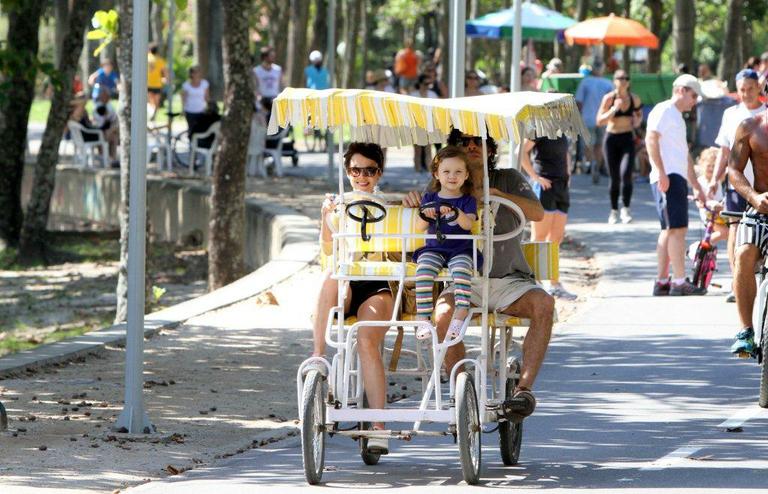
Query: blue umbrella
(539, 23)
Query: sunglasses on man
(366, 171)
(465, 140)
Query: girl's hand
(544, 182)
(445, 210)
(430, 213)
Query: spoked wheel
(704, 265)
(313, 427)
(511, 434)
(468, 429)
(368, 458)
(763, 400)
(3, 418)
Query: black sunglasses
(465, 140)
(625, 78)
(367, 171)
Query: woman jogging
(621, 111)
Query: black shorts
(155, 90)
(362, 291)
(672, 207)
(556, 198)
(735, 203)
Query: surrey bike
(761, 350)
(330, 392)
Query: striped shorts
(753, 232)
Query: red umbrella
(611, 30)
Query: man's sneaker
(745, 342)
(730, 298)
(661, 288)
(686, 288)
(558, 291)
(613, 218)
(625, 216)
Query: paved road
(636, 394)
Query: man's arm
(532, 208)
(721, 167)
(654, 153)
(694, 181)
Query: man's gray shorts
(502, 292)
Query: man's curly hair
(454, 139)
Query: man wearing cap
(315, 75)
(670, 164)
(749, 92)
(749, 143)
(589, 96)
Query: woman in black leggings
(622, 112)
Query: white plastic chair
(85, 149)
(256, 148)
(276, 153)
(158, 143)
(206, 153)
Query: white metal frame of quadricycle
(344, 373)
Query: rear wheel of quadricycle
(511, 434)
(368, 458)
(763, 400)
(313, 427)
(468, 431)
(3, 418)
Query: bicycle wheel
(313, 427)
(708, 267)
(468, 432)
(368, 458)
(763, 399)
(698, 263)
(511, 434)
(3, 418)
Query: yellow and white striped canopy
(398, 120)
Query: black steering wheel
(366, 215)
(436, 205)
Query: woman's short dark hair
(454, 139)
(367, 149)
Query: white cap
(315, 56)
(689, 81)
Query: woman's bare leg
(369, 339)
(327, 298)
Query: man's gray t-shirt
(508, 258)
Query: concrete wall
(176, 209)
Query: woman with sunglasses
(472, 84)
(622, 112)
(366, 299)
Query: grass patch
(12, 343)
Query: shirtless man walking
(750, 143)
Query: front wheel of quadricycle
(368, 458)
(3, 418)
(313, 427)
(468, 429)
(511, 434)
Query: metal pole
(458, 18)
(517, 40)
(169, 58)
(133, 417)
(330, 58)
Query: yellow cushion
(543, 258)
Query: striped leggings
(429, 266)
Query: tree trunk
(125, 67)
(33, 234)
(626, 54)
(683, 25)
(297, 43)
(445, 42)
(61, 9)
(156, 25)
(656, 8)
(279, 17)
(320, 26)
(471, 48)
(365, 33)
(730, 59)
(22, 44)
(351, 42)
(227, 220)
(573, 53)
(557, 47)
(208, 26)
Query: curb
(298, 248)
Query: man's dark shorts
(672, 210)
(556, 198)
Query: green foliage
(105, 27)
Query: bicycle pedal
(716, 285)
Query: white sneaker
(378, 445)
(423, 333)
(625, 216)
(614, 217)
(559, 292)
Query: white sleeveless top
(195, 100)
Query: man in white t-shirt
(748, 88)
(670, 164)
(267, 78)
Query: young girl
(705, 169)
(450, 184)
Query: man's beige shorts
(502, 292)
